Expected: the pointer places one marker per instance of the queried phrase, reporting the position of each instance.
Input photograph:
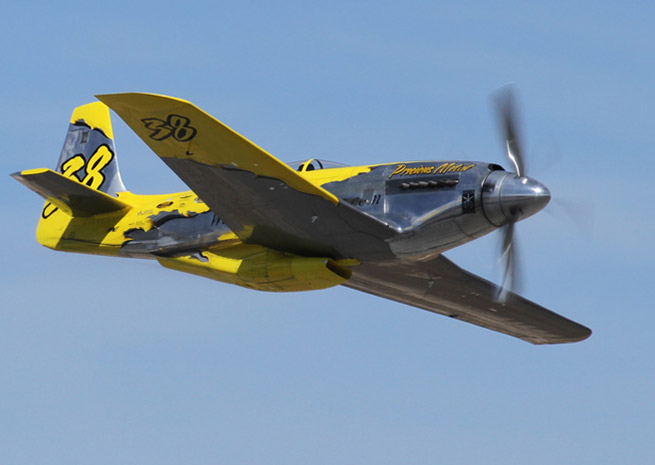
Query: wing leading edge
(260, 198)
(442, 287)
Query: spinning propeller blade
(532, 196)
(505, 100)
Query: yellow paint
(347, 262)
(105, 234)
(228, 237)
(71, 166)
(327, 175)
(229, 261)
(100, 158)
(204, 139)
(97, 161)
(207, 141)
(96, 115)
(93, 178)
(34, 171)
(263, 269)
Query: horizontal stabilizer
(70, 196)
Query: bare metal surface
(440, 286)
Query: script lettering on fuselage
(453, 168)
(362, 202)
(404, 170)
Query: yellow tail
(81, 204)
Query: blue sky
(121, 361)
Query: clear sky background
(117, 361)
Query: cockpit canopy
(314, 164)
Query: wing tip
(578, 335)
(23, 176)
(585, 333)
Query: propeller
(505, 100)
(506, 107)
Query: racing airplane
(254, 221)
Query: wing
(442, 287)
(260, 198)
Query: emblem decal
(176, 126)
(468, 202)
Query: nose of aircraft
(522, 197)
(507, 197)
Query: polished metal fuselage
(430, 207)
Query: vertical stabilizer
(77, 217)
(89, 154)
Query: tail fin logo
(176, 126)
(94, 177)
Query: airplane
(251, 220)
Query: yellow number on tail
(100, 158)
(94, 176)
(72, 166)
